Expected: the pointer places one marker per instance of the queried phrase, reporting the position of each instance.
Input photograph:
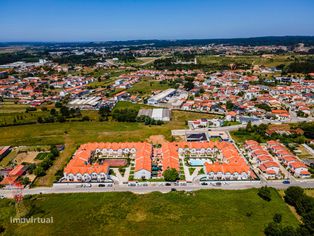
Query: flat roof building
(160, 96)
(162, 114)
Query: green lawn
(124, 104)
(145, 87)
(213, 212)
(42, 155)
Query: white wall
(139, 174)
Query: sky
(106, 20)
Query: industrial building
(86, 102)
(160, 96)
(162, 114)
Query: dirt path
(156, 139)
(58, 164)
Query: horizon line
(178, 39)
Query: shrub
(171, 174)
(25, 181)
(39, 171)
(293, 195)
(277, 218)
(264, 193)
(85, 118)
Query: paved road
(293, 119)
(164, 189)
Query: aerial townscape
(117, 135)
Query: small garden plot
(42, 155)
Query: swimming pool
(197, 162)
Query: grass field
(82, 132)
(248, 60)
(309, 192)
(214, 212)
(145, 87)
(11, 107)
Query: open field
(183, 116)
(248, 60)
(82, 132)
(214, 212)
(11, 107)
(240, 138)
(22, 117)
(145, 87)
(124, 104)
(309, 192)
(147, 60)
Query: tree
(249, 126)
(2, 229)
(273, 229)
(240, 94)
(58, 105)
(61, 119)
(293, 194)
(229, 106)
(308, 220)
(54, 151)
(45, 164)
(125, 114)
(171, 174)
(104, 111)
(65, 111)
(289, 231)
(40, 119)
(85, 118)
(25, 181)
(277, 218)
(39, 171)
(264, 193)
(189, 84)
(31, 168)
(53, 112)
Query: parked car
(173, 189)
(101, 185)
(204, 183)
(286, 181)
(218, 184)
(168, 184)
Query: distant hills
(254, 41)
